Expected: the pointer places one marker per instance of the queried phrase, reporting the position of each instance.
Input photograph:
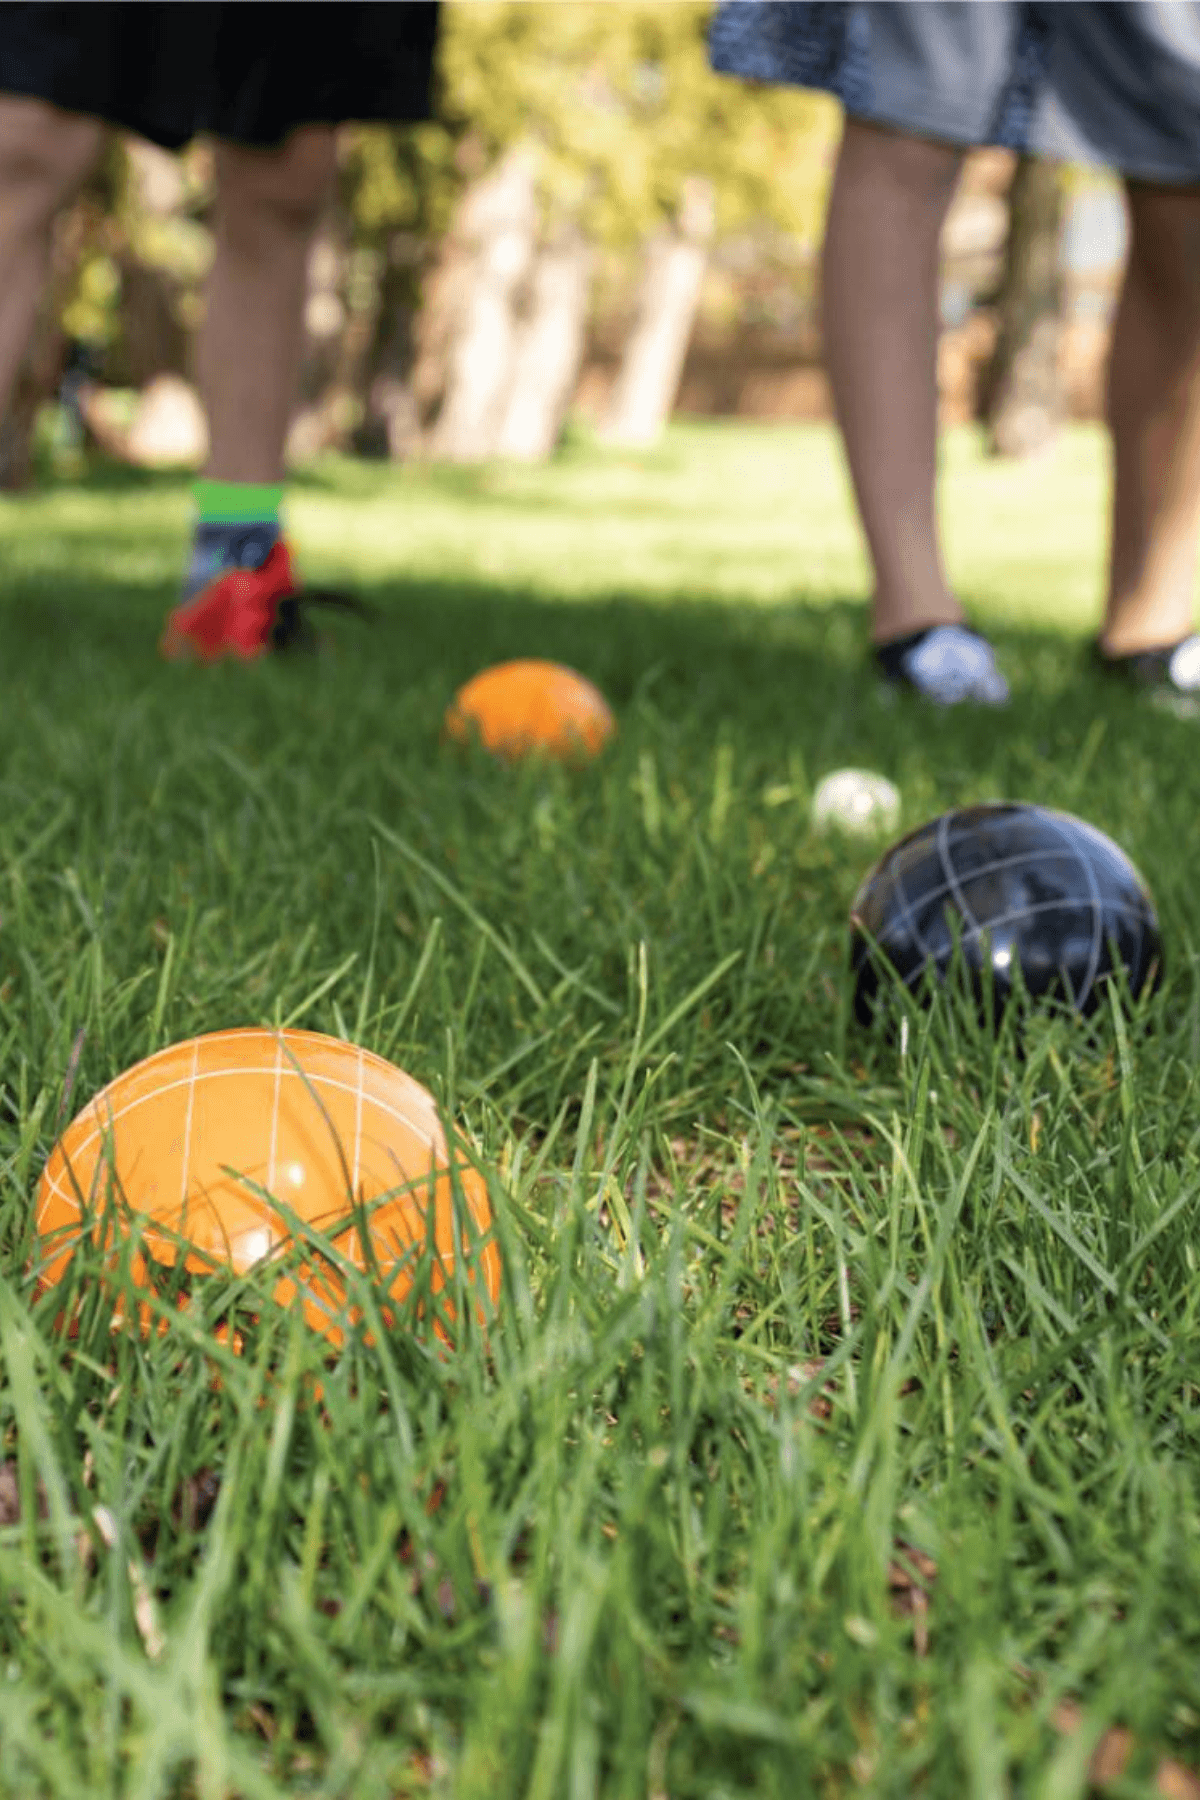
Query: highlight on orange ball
(225, 1144)
(529, 706)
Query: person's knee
(45, 156)
(919, 168)
(287, 187)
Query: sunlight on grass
(760, 515)
(724, 512)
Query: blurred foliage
(622, 106)
(88, 237)
(89, 312)
(143, 210)
(398, 178)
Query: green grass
(784, 1308)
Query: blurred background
(595, 233)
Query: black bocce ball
(1010, 884)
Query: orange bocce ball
(221, 1141)
(528, 706)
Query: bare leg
(45, 157)
(1154, 417)
(248, 356)
(890, 196)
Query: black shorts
(240, 70)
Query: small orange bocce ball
(518, 707)
(204, 1136)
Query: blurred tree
(124, 294)
(44, 361)
(1022, 398)
(621, 122)
(497, 230)
(620, 97)
(159, 253)
(549, 347)
(615, 109)
(397, 191)
(675, 260)
(79, 298)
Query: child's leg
(248, 357)
(248, 362)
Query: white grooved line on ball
(952, 882)
(1097, 910)
(275, 1115)
(358, 1106)
(405, 1115)
(910, 918)
(187, 1131)
(399, 1114)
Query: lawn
(838, 1427)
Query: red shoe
(246, 612)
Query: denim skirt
(1116, 84)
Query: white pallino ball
(857, 801)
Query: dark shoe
(1170, 669)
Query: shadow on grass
(104, 475)
(782, 677)
(785, 672)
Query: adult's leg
(1154, 417)
(45, 156)
(891, 193)
(248, 356)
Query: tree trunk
(499, 223)
(390, 426)
(1021, 395)
(36, 383)
(549, 349)
(442, 304)
(153, 339)
(648, 379)
(45, 360)
(324, 413)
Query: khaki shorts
(1116, 84)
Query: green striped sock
(237, 502)
(237, 522)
